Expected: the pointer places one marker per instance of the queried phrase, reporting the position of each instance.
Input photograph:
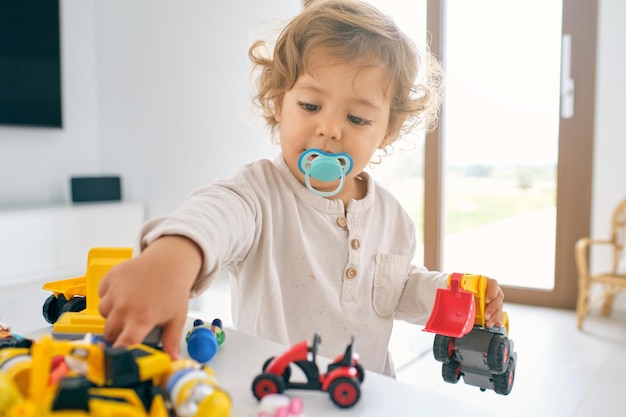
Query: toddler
(312, 241)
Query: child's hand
(494, 301)
(148, 291)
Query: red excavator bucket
(454, 311)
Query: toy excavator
(72, 308)
(484, 356)
(66, 378)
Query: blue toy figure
(203, 340)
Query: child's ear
(278, 108)
(387, 140)
(393, 131)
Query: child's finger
(104, 306)
(170, 338)
(132, 333)
(493, 291)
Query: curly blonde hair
(350, 30)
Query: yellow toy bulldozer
(73, 306)
(485, 357)
(64, 378)
(70, 295)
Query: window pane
(501, 139)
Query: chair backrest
(618, 236)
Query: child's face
(336, 107)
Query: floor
(561, 372)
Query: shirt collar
(322, 203)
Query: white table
(240, 359)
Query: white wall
(609, 177)
(158, 91)
(175, 98)
(155, 90)
(36, 163)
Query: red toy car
(342, 379)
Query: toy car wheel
(503, 383)
(451, 371)
(443, 348)
(360, 372)
(75, 304)
(498, 354)
(286, 374)
(266, 384)
(267, 363)
(345, 392)
(52, 308)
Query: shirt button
(342, 221)
(351, 272)
(355, 243)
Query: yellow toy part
(77, 378)
(194, 392)
(99, 263)
(9, 394)
(477, 285)
(15, 363)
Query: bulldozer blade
(454, 311)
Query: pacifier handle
(325, 167)
(315, 191)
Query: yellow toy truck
(73, 306)
(70, 295)
(485, 357)
(63, 378)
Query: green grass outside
(488, 209)
(466, 211)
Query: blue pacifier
(324, 166)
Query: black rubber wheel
(360, 372)
(451, 371)
(286, 374)
(345, 392)
(52, 308)
(503, 383)
(266, 384)
(442, 349)
(267, 363)
(498, 354)
(75, 304)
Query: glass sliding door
(508, 173)
(501, 139)
(503, 186)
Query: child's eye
(358, 121)
(308, 106)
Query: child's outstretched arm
(494, 301)
(151, 290)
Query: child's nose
(329, 127)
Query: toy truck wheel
(266, 384)
(360, 372)
(451, 371)
(443, 348)
(52, 308)
(498, 354)
(75, 304)
(267, 363)
(503, 383)
(286, 374)
(345, 392)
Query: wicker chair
(613, 279)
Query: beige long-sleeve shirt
(303, 263)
